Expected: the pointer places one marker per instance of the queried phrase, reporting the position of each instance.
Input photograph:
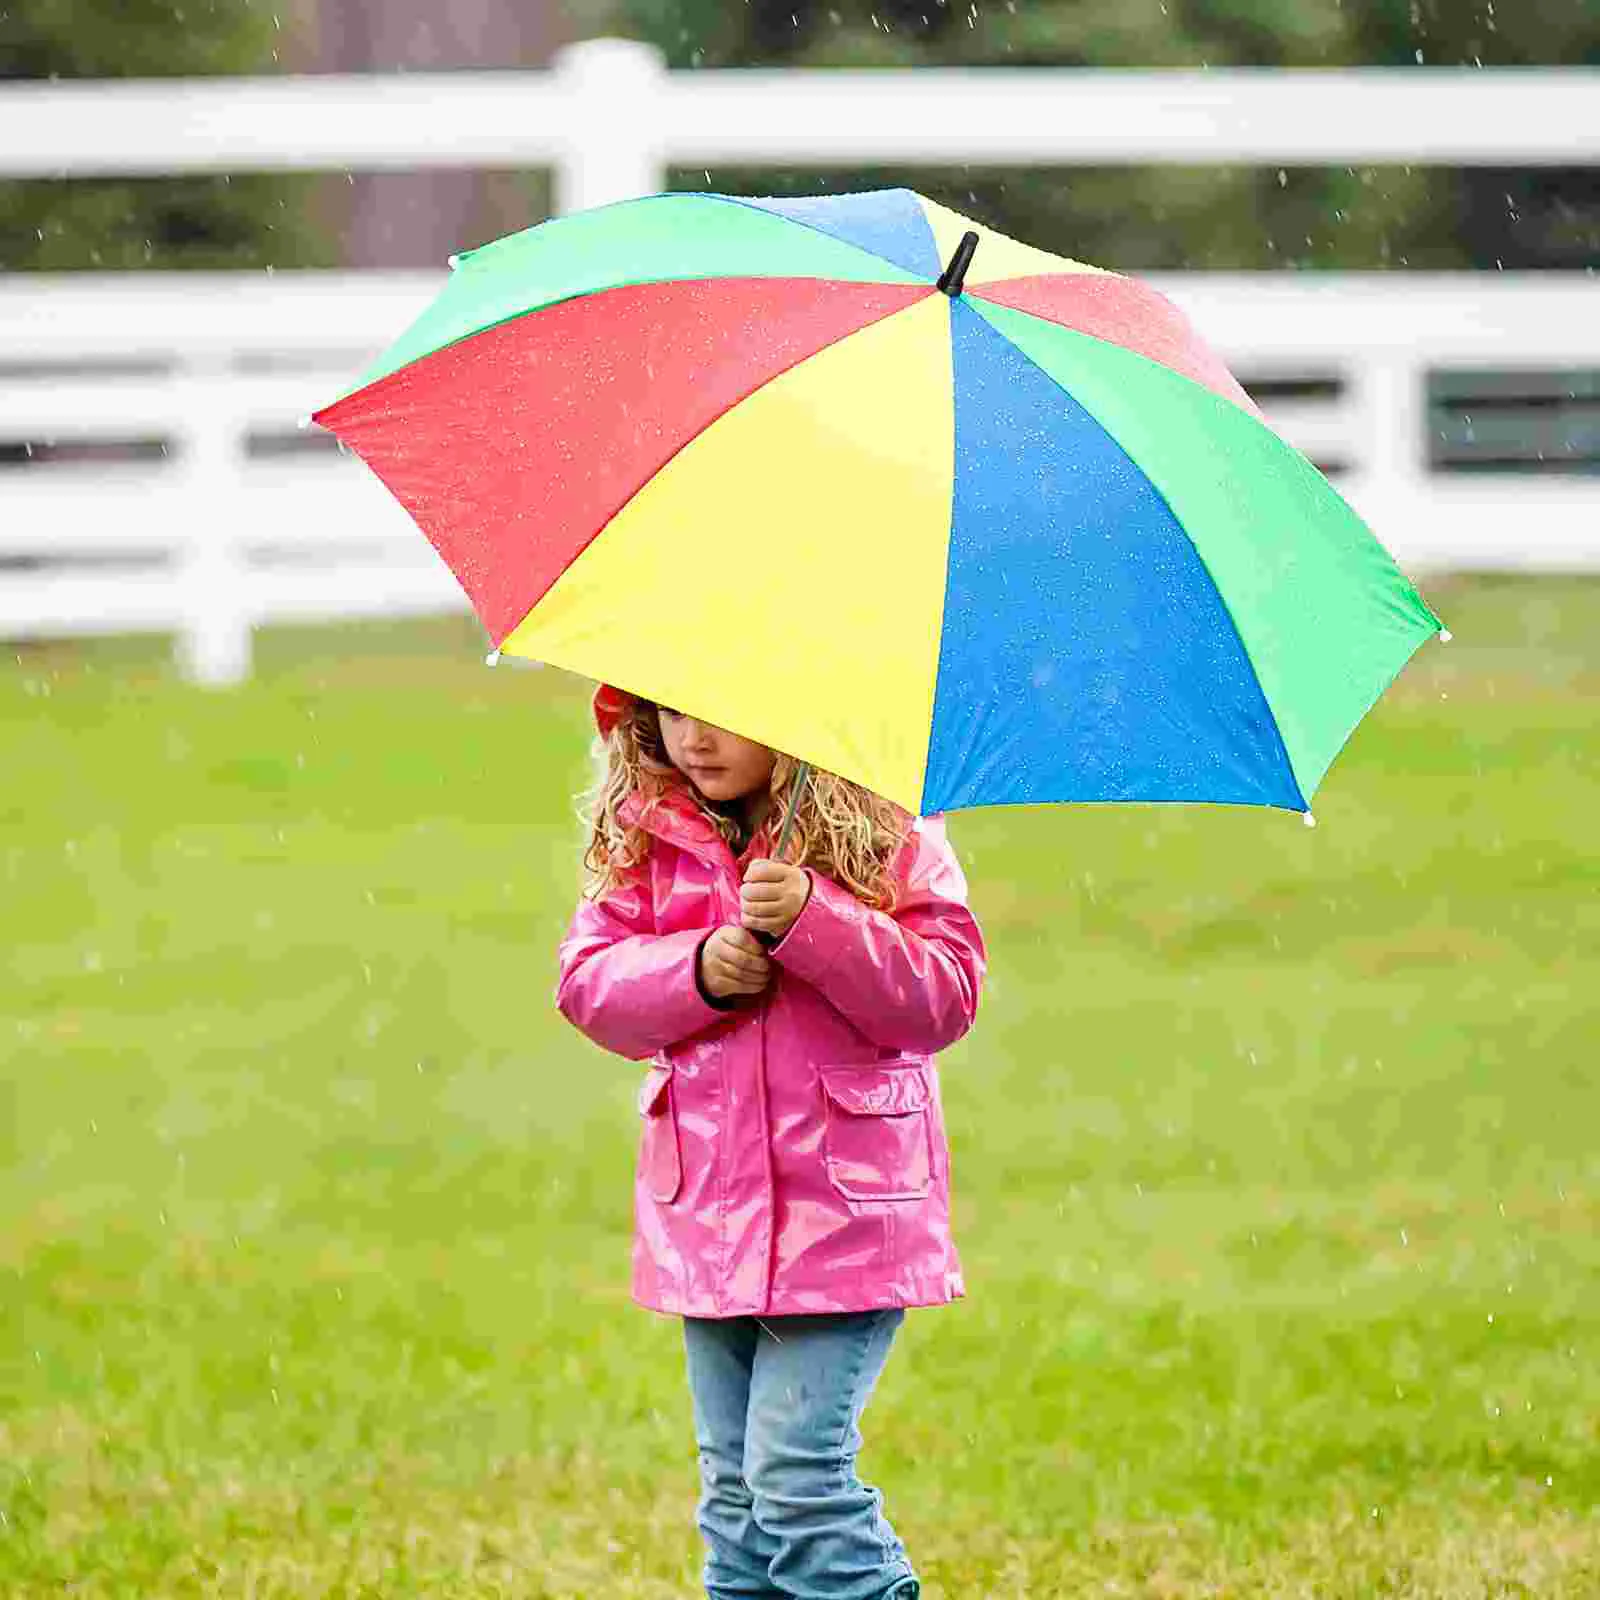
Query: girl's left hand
(772, 896)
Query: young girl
(793, 1188)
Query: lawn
(1275, 1155)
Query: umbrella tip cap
(303, 421)
(492, 659)
(452, 261)
(1307, 818)
(1445, 636)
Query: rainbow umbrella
(961, 520)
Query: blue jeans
(777, 1401)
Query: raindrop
(1419, 56)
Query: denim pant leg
(810, 1382)
(720, 1353)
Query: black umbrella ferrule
(956, 273)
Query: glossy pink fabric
(792, 1153)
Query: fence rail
(611, 106)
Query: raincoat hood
(609, 706)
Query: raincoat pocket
(660, 1166)
(876, 1139)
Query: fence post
(615, 143)
(213, 642)
(1390, 481)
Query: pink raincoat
(792, 1153)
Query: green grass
(1275, 1156)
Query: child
(792, 1195)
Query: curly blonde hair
(841, 829)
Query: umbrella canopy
(945, 514)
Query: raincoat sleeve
(908, 979)
(629, 989)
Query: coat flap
(876, 1091)
(653, 1090)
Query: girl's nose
(696, 735)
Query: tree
(1164, 217)
(191, 221)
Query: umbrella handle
(796, 788)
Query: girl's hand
(732, 963)
(772, 896)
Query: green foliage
(1490, 33)
(1106, 33)
(215, 222)
(249, 221)
(1149, 218)
(1274, 1161)
(134, 38)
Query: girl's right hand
(732, 963)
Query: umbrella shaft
(796, 789)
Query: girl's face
(721, 765)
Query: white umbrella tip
(1307, 818)
(303, 422)
(492, 659)
(1445, 636)
(452, 261)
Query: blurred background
(1274, 1150)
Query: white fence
(235, 518)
